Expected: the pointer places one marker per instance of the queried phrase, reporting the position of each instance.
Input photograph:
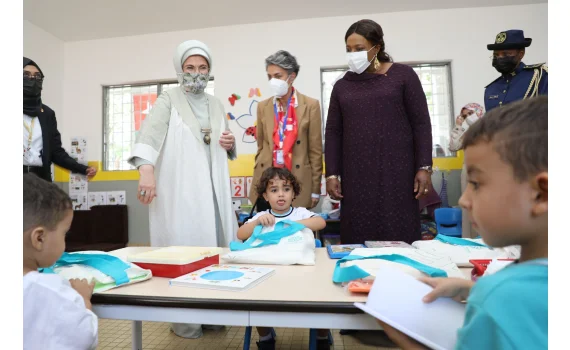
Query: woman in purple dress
(378, 142)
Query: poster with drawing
(77, 184)
(97, 198)
(78, 150)
(79, 201)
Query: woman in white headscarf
(181, 152)
(470, 114)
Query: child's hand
(84, 288)
(266, 220)
(456, 288)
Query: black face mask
(505, 65)
(32, 87)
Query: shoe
(323, 344)
(266, 344)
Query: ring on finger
(143, 193)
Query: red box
(173, 271)
(172, 262)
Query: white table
(295, 296)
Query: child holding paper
(506, 154)
(57, 313)
(279, 187)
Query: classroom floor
(115, 334)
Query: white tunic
(193, 206)
(55, 316)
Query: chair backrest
(449, 221)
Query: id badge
(279, 157)
(28, 155)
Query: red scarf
(290, 134)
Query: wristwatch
(427, 168)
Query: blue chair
(448, 221)
(312, 332)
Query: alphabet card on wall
(116, 198)
(79, 201)
(238, 187)
(97, 198)
(248, 183)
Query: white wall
(460, 35)
(47, 51)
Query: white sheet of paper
(396, 299)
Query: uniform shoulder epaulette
(536, 66)
(491, 83)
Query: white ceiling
(74, 20)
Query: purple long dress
(378, 135)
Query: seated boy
(506, 155)
(279, 187)
(57, 313)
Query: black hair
(519, 133)
(372, 32)
(280, 173)
(45, 204)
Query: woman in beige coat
(295, 141)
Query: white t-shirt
(296, 214)
(55, 316)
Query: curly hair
(280, 173)
(45, 204)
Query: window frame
(437, 63)
(159, 83)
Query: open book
(224, 277)
(396, 299)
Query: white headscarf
(190, 48)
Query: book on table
(224, 277)
(387, 244)
(396, 299)
(339, 251)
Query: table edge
(227, 304)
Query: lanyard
(282, 132)
(30, 129)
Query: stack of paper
(396, 299)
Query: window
(436, 82)
(124, 109)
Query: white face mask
(279, 87)
(470, 120)
(358, 61)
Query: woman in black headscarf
(42, 141)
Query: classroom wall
(459, 35)
(47, 51)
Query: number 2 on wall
(238, 187)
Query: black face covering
(32, 92)
(505, 65)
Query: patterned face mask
(194, 82)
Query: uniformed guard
(517, 81)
